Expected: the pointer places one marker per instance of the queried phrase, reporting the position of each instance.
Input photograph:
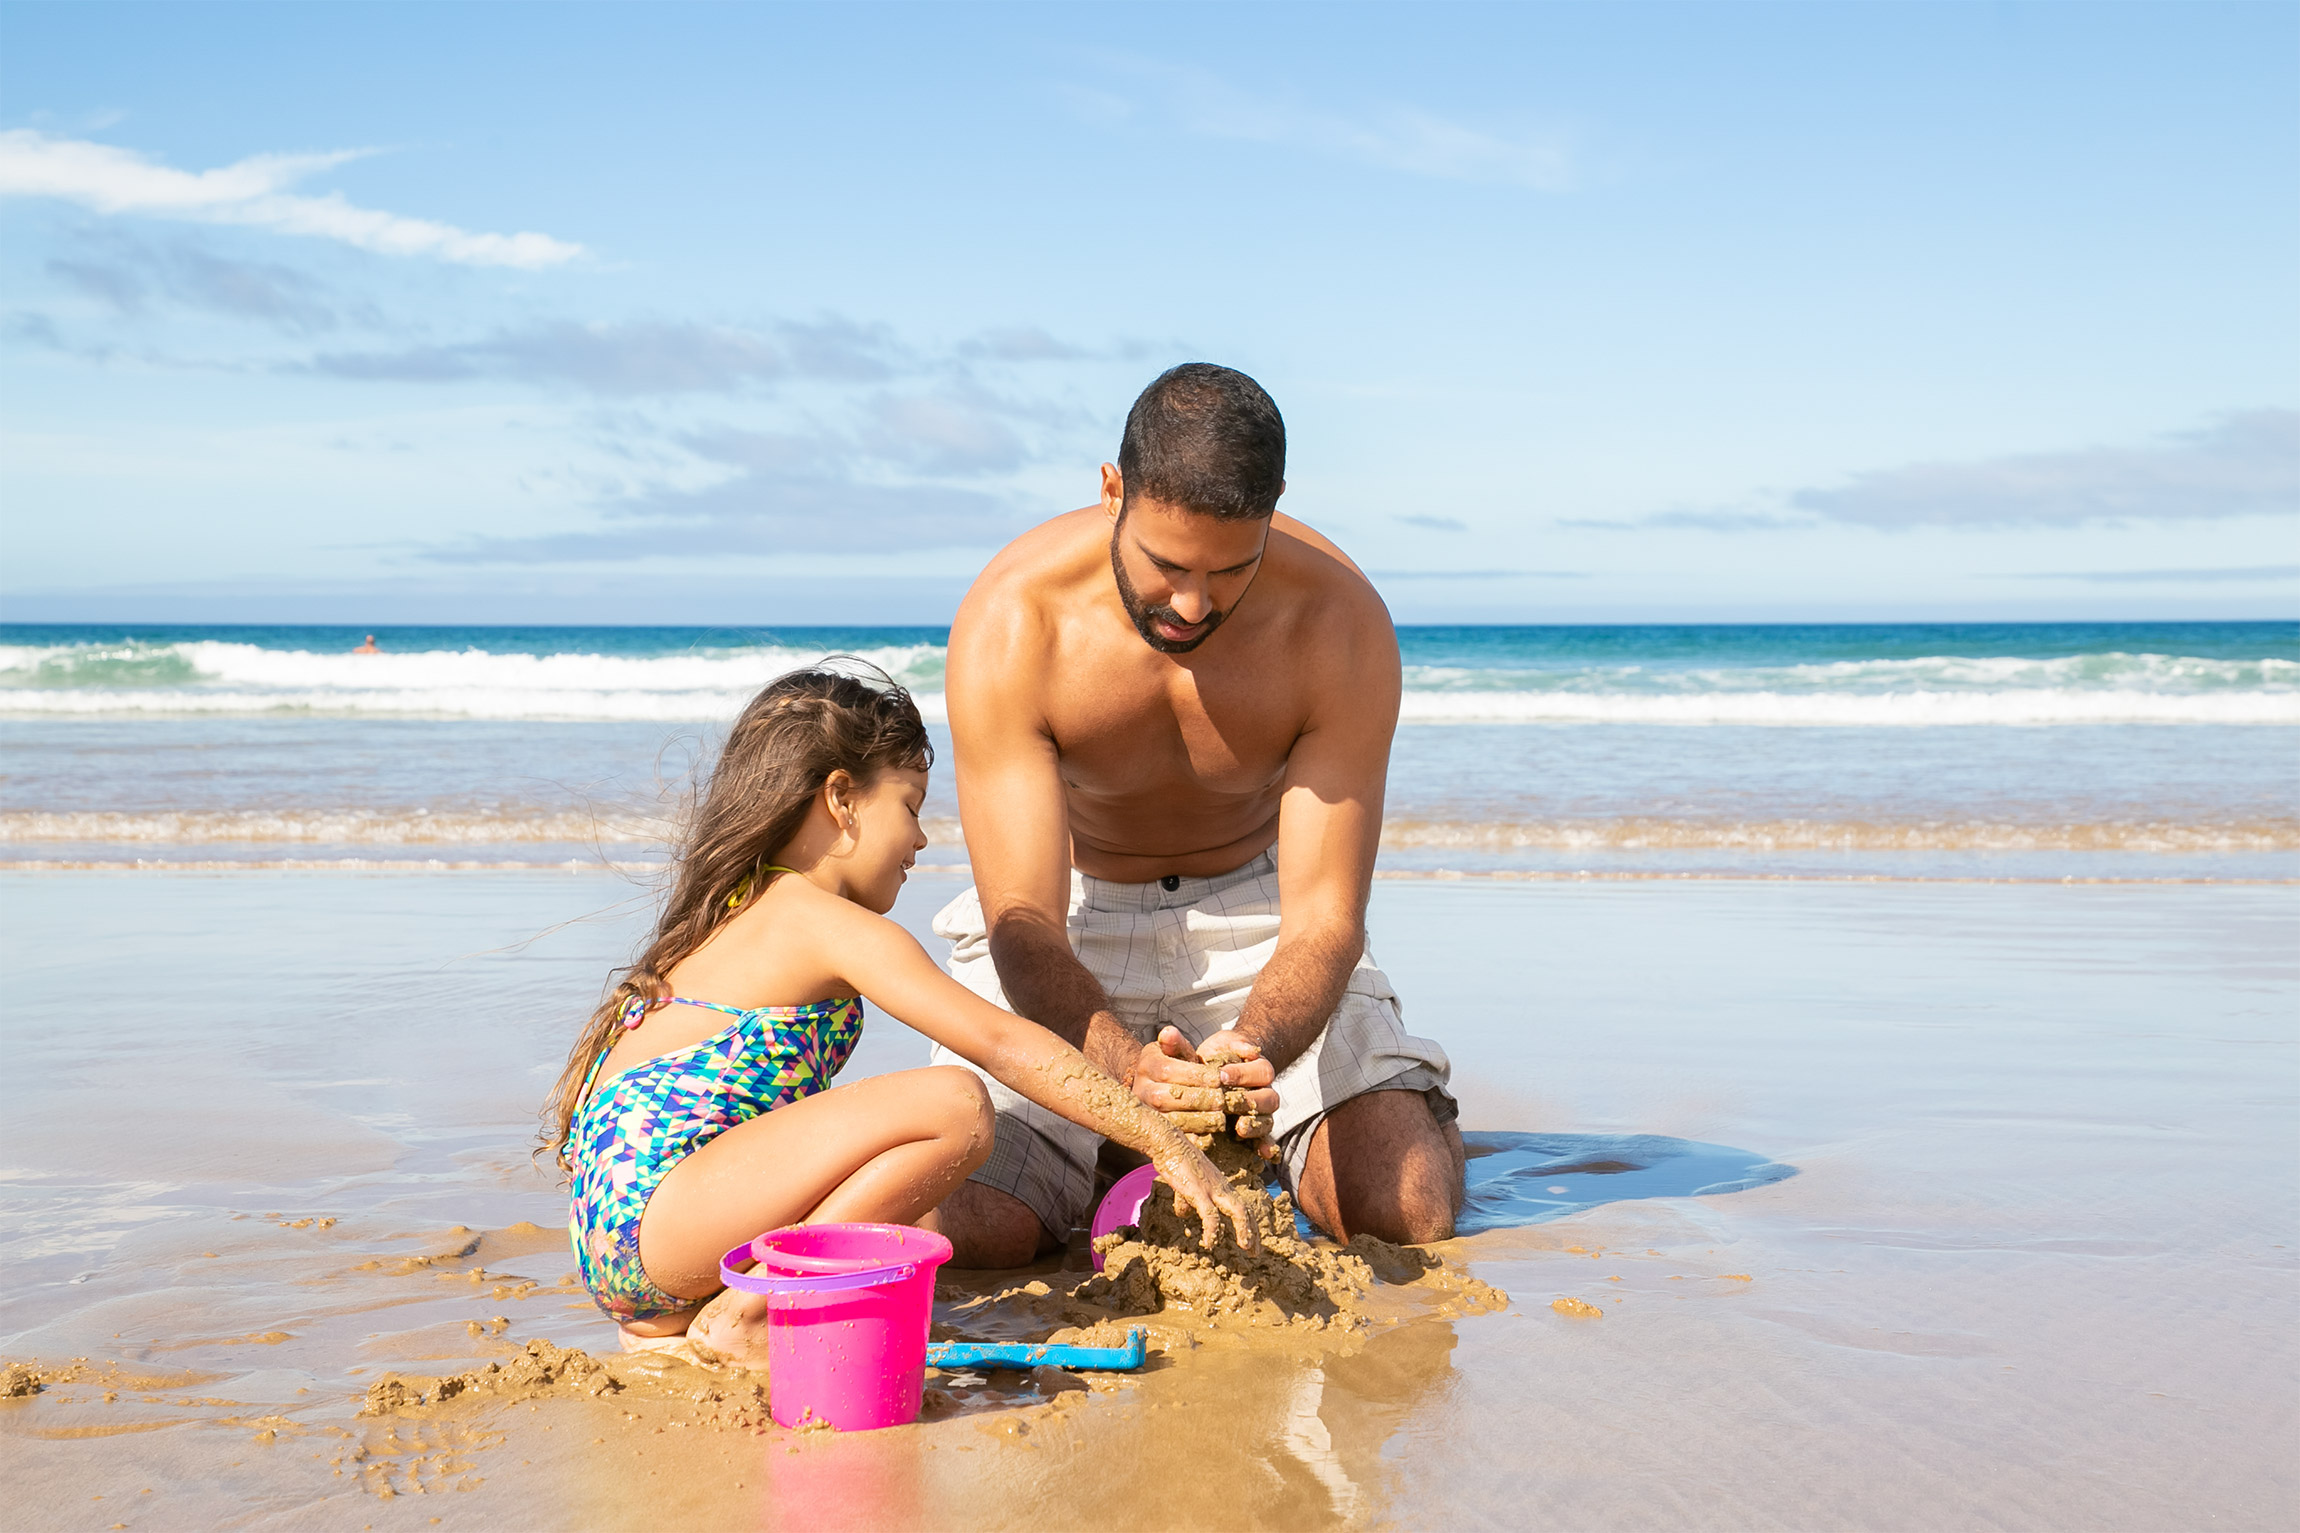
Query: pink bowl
(1122, 1205)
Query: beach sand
(1999, 1231)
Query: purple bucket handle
(835, 1276)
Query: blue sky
(757, 314)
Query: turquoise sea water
(2032, 750)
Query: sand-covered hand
(1230, 1077)
(1186, 1169)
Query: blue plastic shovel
(990, 1354)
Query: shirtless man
(1171, 715)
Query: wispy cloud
(1690, 521)
(2245, 464)
(1020, 343)
(1435, 523)
(2222, 575)
(923, 461)
(32, 329)
(127, 276)
(947, 432)
(637, 357)
(1407, 139)
(1478, 574)
(252, 192)
(779, 492)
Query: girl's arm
(888, 967)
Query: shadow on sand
(1518, 1179)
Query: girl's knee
(969, 1117)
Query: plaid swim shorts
(1186, 957)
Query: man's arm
(1015, 809)
(1329, 827)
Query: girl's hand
(1185, 1168)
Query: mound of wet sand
(718, 1396)
(1161, 1265)
(21, 1379)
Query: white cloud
(252, 192)
(2236, 573)
(2245, 464)
(638, 357)
(1400, 138)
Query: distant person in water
(1171, 713)
(368, 648)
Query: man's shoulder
(1013, 603)
(1041, 563)
(1326, 592)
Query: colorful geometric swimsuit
(654, 1115)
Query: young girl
(693, 1112)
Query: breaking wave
(427, 828)
(219, 678)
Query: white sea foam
(222, 679)
(341, 827)
(1595, 833)
(211, 678)
(1877, 710)
(2110, 670)
(1663, 833)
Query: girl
(693, 1112)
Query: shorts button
(1170, 882)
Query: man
(1171, 716)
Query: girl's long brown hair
(779, 754)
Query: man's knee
(990, 1229)
(1382, 1165)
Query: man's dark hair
(1206, 438)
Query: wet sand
(1884, 1205)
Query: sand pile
(1160, 1265)
(721, 1396)
(21, 1379)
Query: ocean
(2024, 751)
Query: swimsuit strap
(743, 889)
(732, 1011)
(635, 1010)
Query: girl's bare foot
(665, 1334)
(682, 1346)
(734, 1327)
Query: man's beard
(1143, 614)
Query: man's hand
(1196, 1096)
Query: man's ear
(1113, 491)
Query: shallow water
(1521, 1179)
(2035, 1267)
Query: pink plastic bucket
(847, 1312)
